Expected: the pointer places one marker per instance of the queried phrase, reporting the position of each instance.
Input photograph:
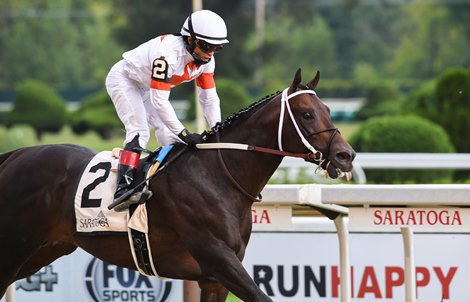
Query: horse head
(306, 123)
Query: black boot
(128, 163)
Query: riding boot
(127, 167)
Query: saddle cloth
(95, 192)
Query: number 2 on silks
(160, 69)
(88, 202)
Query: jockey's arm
(208, 98)
(166, 112)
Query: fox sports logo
(108, 282)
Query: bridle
(313, 156)
(285, 103)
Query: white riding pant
(133, 106)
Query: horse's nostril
(346, 155)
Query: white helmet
(205, 25)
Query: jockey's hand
(190, 138)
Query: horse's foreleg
(239, 282)
(212, 291)
(222, 264)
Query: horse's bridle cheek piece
(319, 156)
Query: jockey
(140, 84)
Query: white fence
(292, 166)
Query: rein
(234, 146)
(229, 175)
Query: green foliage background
(38, 105)
(403, 134)
(405, 57)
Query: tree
(65, 44)
(288, 47)
(431, 44)
(38, 105)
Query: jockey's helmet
(207, 26)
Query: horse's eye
(307, 115)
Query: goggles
(207, 47)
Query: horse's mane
(241, 115)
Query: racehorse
(200, 213)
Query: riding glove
(190, 138)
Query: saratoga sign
(265, 217)
(446, 218)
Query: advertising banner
(305, 266)
(288, 266)
(80, 277)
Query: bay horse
(200, 213)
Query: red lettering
(262, 218)
(424, 280)
(456, 217)
(254, 217)
(399, 217)
(416, 217)
(445, 280)
(265, 217)
(444, 219)
(390, 281)
(411, 218)
(334, 282)
(388, 218)
(431, 217)
(373, 287)
(378, 217)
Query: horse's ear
(313, 83)
(296, 82)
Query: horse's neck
(250, 168)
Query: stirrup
(136, 198)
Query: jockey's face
(205, 50)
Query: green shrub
(402, 134)
(96, 113)
(446, 101)
(453, 105)
(422, 101)
(38, 105)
